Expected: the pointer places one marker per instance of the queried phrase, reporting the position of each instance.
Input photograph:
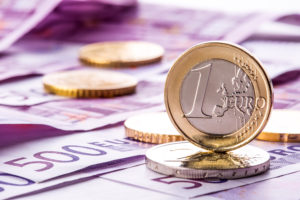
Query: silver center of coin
(217, 97)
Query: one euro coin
(218, 96)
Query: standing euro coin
(121, 53)
(219, 97)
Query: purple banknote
(19, 17)
(54, 44)
(41, 37)
(45, 159)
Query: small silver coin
(185, 160)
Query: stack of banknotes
(57, 147)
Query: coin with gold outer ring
(121, 53)
(283, 126)
(89, 83)
(218, 96)
(153, 128)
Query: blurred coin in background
(121, 53)
(89, 83)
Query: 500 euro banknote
(284, 160)
(49, 158)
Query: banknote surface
(95, 192)
(16, 186)
(285, 187)
(52, 157)
(19, 17)
(284, 160)
(44, 150)
(277, 62)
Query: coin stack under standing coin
(219, 97)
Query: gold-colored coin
(120, 54)
(89, 83)
(218, 96)
(151, 128)
(283, 126)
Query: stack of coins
(219, 98)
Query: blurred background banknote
(51, 144)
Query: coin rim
(149, 137)
(210, 50)
(90, 93)
(280, 137)
(86, 59)
(192, 173)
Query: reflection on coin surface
(283, 126)
(185, 160)
(121, 53)
(152, 128)
(226, 86)
(218, 96)
(89, 83)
